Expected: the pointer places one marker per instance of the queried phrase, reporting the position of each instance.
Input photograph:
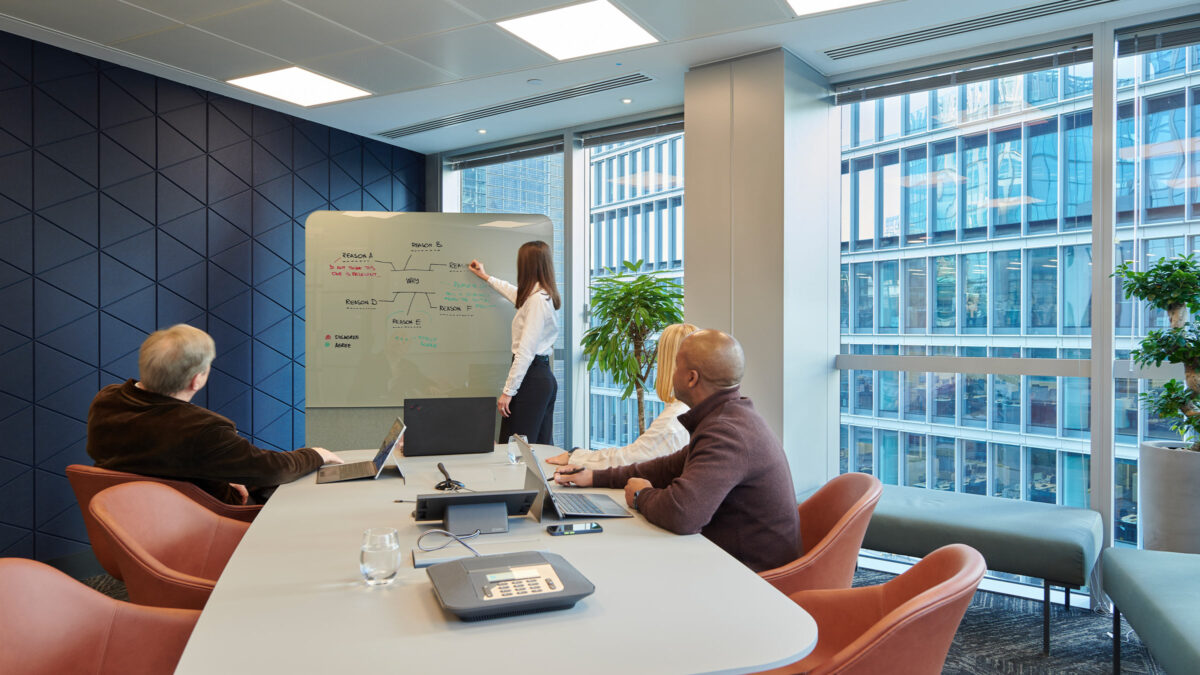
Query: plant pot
(1169, 497)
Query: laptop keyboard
(357, 470)
(577, 503)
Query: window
(945, 190)
(944, 294)
(975, 189)
(528, 185)
(889, 296)
(635, 213)
(914, 460)
(973, 268)
(974, 467)
(1006, 470)
(915, 296)
(1042, 209)
(916, 196)
(1007, 183)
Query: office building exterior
(966, 232)
(635, 212)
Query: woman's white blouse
(664, 436)
(534, 330)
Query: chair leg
(1116, 640)
(1045, 617)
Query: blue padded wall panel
(129, 203)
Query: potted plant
(627, 311)
(1169, 471)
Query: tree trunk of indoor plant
(1169, 496)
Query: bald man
(151, 427)
(732, 482)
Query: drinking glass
(380, 557)
(514, 451)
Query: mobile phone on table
(573, 528)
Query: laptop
(565, 504)
(449, 426)
(368, 469)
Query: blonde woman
(665, 435)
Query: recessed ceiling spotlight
(806, 7)
(534, 82)
(482, 131)
(579, 30)
(626, 101)
(299, 86)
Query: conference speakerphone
(492, 586)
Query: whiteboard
(392, 312)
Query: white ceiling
(425, 59)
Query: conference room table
(292, 599)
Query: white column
(761, 244)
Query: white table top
(291, 600)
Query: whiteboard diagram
(392, 311)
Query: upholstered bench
(1159, 594)
(1058, 544)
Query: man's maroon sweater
(731, 484)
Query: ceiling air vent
(960, 27)
(519, 104)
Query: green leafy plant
(628, 310)
(1173, 285)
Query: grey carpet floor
(1003, 634)
(998, 634)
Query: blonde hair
(170, 358)
(668, 346)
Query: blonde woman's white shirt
(534, 330)
(664, 436)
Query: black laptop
(449, 426)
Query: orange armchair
(86, 481)
(902, 627)
(51, 624)
(832, 524)
(170, 550)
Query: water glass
(380, 557)
(514, 451)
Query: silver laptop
(368, 469)
(565, 504)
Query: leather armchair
(51, 624)
(833, 522)
(86, 481)
(170, 550)
(902, 627)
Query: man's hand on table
(328, 457)
(573, 475)
(632, 487)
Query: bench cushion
(1047, 541)
(1159, 594)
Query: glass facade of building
(966, 231)
(635, 212)
(531, 185)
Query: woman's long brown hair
(535, 266)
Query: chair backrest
(170, 549)
(52, 624)
(87, 481)
(921, 612)
(833, 521)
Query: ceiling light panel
(807, 7)
(299, 86)
(579, 30)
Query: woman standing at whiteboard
(527, 402)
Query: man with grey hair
(151, 427)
